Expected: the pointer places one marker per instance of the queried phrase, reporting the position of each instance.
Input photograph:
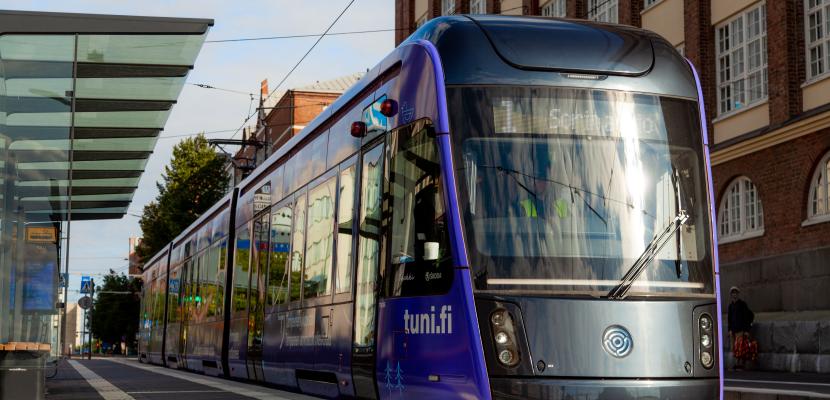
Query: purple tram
(504, 207)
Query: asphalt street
(126, 379)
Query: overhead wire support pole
(69, 189)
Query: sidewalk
(115, 378)
(786, 385)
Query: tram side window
(240, 272)
(345, 220)
(280, 246)
(222, 255)
(175, 288)
(320, 239)
(298, 246)
(211, 267)
(421, 262)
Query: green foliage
(113, 314)
(191, 184)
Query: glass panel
(280, 246)
(297, 246)
(108, 182)
(368, 253)
(44, 87)
(139, 49)
(109, 119)
(37, 47)
(573, 194)
(106, 165)
(129, 88)
(320, 240)
(345, 220)
(420, 262)
(118, 144)
(240, 272)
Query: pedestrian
(740, 322)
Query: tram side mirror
(431, 251)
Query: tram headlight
(506, 357)
(705, 341)
(504, 336)
(705, 328)
(706, 359)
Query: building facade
(283, 115)
(765, 72)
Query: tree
(113, 313)
(195, 179)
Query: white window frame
(817, 38)
(741, 76)
(554, 9)
(603, 11)
(818, 203)
(478, 7)
(447, 7)
(741, 212)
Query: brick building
(286, 113)
(765, 71)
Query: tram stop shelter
(83, 99)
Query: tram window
(174, 288)
(315, 155)
(420, 253)
(211, 274)
(277, 184)
(219, 299)
(345, 220)
(260, 259)
(341, 143)
(240, 272)
(368, 252)
(298, 246)
(319, 243)
(280, 245)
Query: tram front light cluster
(705, 325)
(504, 336)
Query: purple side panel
(713, 223)
(407, 357)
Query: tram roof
(84, 99)
(523, 50)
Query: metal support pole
(91, 296)
(69, 189)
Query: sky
(97, 246)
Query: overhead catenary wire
(291, 71)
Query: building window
(602, 10)
(817, 24)
(741, 215)
(477, 7)
(818, 205)
(649, 3)
(554, 8)
(447, 7)
(742, 59)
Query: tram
(504, 207)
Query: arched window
(741, 215)
(818, 204)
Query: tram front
(587, 222)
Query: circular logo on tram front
(617, 341)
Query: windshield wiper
(620, 291)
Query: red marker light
(389, 108)
(358, 129)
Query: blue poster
(39, 289)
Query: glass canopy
(83, 99)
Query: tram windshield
(562, 190)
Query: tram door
(259, 263)
(368, 260)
